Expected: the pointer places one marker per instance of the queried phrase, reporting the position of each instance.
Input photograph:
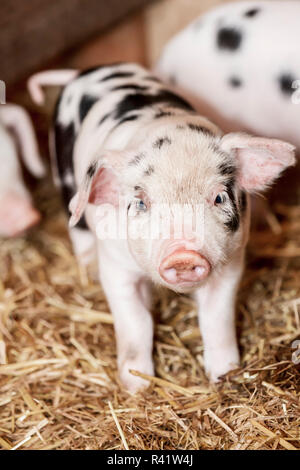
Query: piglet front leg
(132, 321)
(216, 306)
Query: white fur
(216, 303)
(132, 319)
(270, 47)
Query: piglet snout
(16, 215)
(184, 266)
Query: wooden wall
(34, 32)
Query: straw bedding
(58, 378)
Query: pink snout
(16, 215)
(184, 266)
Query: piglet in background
(17, 213)
(240, 62)
(122, 139)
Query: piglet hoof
(218, 362)
(133, 383)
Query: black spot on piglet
(162, 114)
(197, 128)
(243, 201)
(161, 141)
(104, 118)
(229, 38)
(227, 169)
(137, 159)
(85, 105)
(130, 86)
(64, 144)
(149, 170)
(92, 169)
(285, 82)
(252, 12)
(233, 222)
(115, 75)
(133, 117)
(235, 82)
(137, 101)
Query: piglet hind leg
(216, 313)
(132, 322)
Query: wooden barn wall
(33, 32)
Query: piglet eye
(140, 205)
(220, 198)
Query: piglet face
(184, 192)
(184, 217)
(210, 176)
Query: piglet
(163, 197)
(240, 62)
(17, 213)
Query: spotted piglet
(125, 143)
(241, 63)
(16, 210)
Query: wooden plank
(122, 43)
(33, 32)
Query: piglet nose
(184, 266)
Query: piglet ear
(100, 185)
(260, 160)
